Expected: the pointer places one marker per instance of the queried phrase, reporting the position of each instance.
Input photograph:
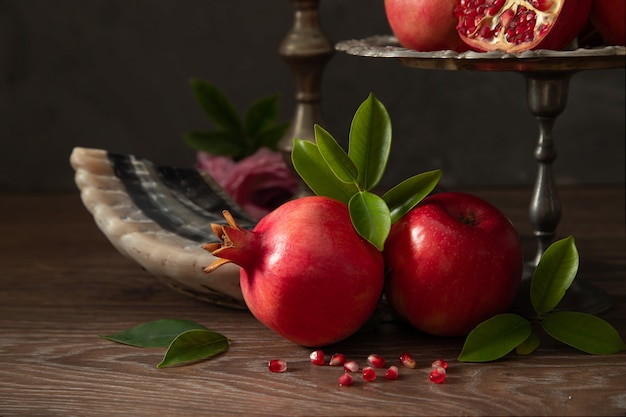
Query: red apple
(609, 19)
(424, 25)
(454, 261)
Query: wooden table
(62, 284)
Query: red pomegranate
(520, 25)
(609, 19)
(424, 25)
(305, 271)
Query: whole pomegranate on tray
(424, 25)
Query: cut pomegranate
(317, 357)
(406, 359)
(277, 365)
(392, 373)
(337, 359)
(369, 374)
(345, 380)
(437, 375)
(520, 25)
(376, 361)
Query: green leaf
(370, 217)
(216, 143)
(194, 345)
(310, 165)
(261, 115)
(584, 332)
(370, 141)
(554, 274)
(336, 158)
(270, 137)
(529, 345)
(158, 333)
(494, 338)
(406, 195)
(216, 105)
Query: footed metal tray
(159, 216)
(387, 46)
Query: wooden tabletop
(62, 284)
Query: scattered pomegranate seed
(392, 373)
(437, 375)
(440, 362)
(337, 359)
(317, 357)
(369, 374)
(376, 361)
(351, 366)
(277, 365)
(406, 359)
(345, 380)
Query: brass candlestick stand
(306, 49)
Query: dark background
(113, 74)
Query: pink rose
(258, 183)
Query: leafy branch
(235, 136)
(498, 336)
(350, 176)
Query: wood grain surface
(62, 284)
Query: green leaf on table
(494, 338)
(370, 141)
(193, 345)
(370, 217)
(584, 332)
(406, 195)
(158, 333)
(554, 274)
(336, 158)
(529, 345)
(315, 172)
(216, 105)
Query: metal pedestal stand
(547, 75)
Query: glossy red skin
(424, 25)
(446, 276)
(609, 19)
(306, 273)
(572, 19)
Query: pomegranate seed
(440, 363)
(437, 375)
(337, 359)
(376, 361)
(369, 374)
(406, 359)
(392, 373)
(506, 18)
(345, 380)
(351, 366)
(317, 357)
(277, 365)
